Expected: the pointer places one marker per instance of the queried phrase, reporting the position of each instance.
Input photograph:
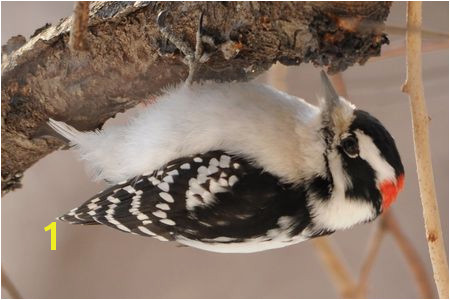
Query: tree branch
(426, 34)
(414, 87)
(128, 62)
(337, 269)
(8, 285)
(400, 49)
(372, 253)
(412, 257)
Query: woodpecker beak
(389, 190)
(331, 96)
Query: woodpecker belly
(214, 201)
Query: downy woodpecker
(238, 168)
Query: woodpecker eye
(350, 146)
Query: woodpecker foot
(194, 58)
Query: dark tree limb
(127, 61)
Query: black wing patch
(207, 197)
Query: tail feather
(96, 208)
(83, 214)
(76, 219)
(67, 132)
(96, 148)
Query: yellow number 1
(52, 228)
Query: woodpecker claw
(200, 22)
(193, 57)
(161, 18)
(193, 65)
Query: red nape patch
(389, 190)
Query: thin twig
(414, 88)
(412, 257)
(368, 263)
(8, 285)
(337, 269)
(400, 50)
(426, 34)
(80, 22)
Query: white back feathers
(248, 119)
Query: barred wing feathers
(211, 198)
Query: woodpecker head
(362, 160)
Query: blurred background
(98, 262)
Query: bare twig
(367, 265)
(79, 27)
(400, 50)
(337, 269)
(414, 88)
(8, 285)
(412, 257)
(388, 223)
(426, 34)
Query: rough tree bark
(127, 61)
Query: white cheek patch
(341, 213)
(370, 153)
(338, 212)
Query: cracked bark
(127, 62)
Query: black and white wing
(212, 197)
